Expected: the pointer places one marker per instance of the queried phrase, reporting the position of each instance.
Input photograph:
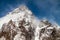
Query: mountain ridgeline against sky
(21, 24)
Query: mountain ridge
(21, 24)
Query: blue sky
(49, 9)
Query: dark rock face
(9, 31)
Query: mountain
(21, 24)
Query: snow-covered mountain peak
(21, 24)
(21, 8)
(17, 14)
